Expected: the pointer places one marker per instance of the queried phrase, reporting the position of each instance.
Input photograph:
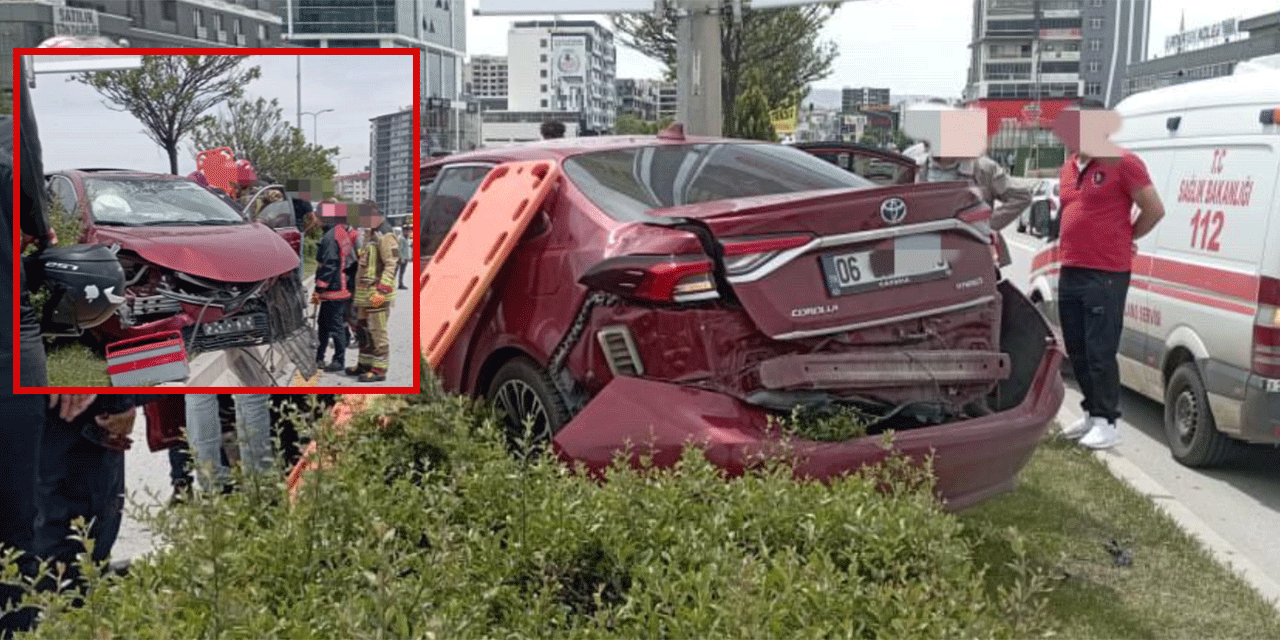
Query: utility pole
(289, 16)
(698, 68)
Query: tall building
(353, 186)
(391, 167)
(1055, 50)
(855, 99)
(486, 76)
(563, 65)
(153, 23)
(668, 100)
(638, 98)
(437, 27)
(1230, 42)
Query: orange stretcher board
(464, 266)
(473, 251)
(219, 167)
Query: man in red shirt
(1096, 240)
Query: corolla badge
(804, 312)
(893, 210)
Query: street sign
(549, 7)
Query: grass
(1067, 509)
(72, 364)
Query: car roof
(561, 148)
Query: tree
(257, 131)
(751, 119)
(780, 44)
(169, 94)
(879, 136)
(629, 125)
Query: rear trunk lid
(808, 265)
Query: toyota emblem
(893, 210)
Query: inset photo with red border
(191, 220)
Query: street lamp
(315, 117)
(340, 163)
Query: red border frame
(19, 52)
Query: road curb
(1221, 550)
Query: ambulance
(1202, 323)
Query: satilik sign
(76, 22)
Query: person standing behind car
(1096, 240)
(375, 292)
(334, 257)
(404, 258)
(983, 173)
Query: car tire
(520, 389)
(1189, 427)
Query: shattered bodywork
(206, 272)
(675, 291)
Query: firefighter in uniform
(375, 292)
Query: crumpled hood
(233, 253)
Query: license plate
(911, 259)
(239, 324)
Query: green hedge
(430, 528)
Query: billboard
(569, 59)
(1204, 36)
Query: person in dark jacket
(60, 455)
(335, 257)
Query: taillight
(1266, 330)
(743, 255)
(663, 279)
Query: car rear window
(146, 202)
(627, 183)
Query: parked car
(1201, 326)
(1046, 190)
(192, 262)
(695, 288)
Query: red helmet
(245, 174)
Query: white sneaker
(1103, 435)
(1077, 429)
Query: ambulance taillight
(1269, 116)
(1266, 330)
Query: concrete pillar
(698, 68)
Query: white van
(1202, 324)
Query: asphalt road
(1239, 501)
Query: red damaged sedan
(192, 262)
(679, 290)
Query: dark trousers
(400, 269)
(1091, 310)
(76, 479)
(21, 417)
(333, 326)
